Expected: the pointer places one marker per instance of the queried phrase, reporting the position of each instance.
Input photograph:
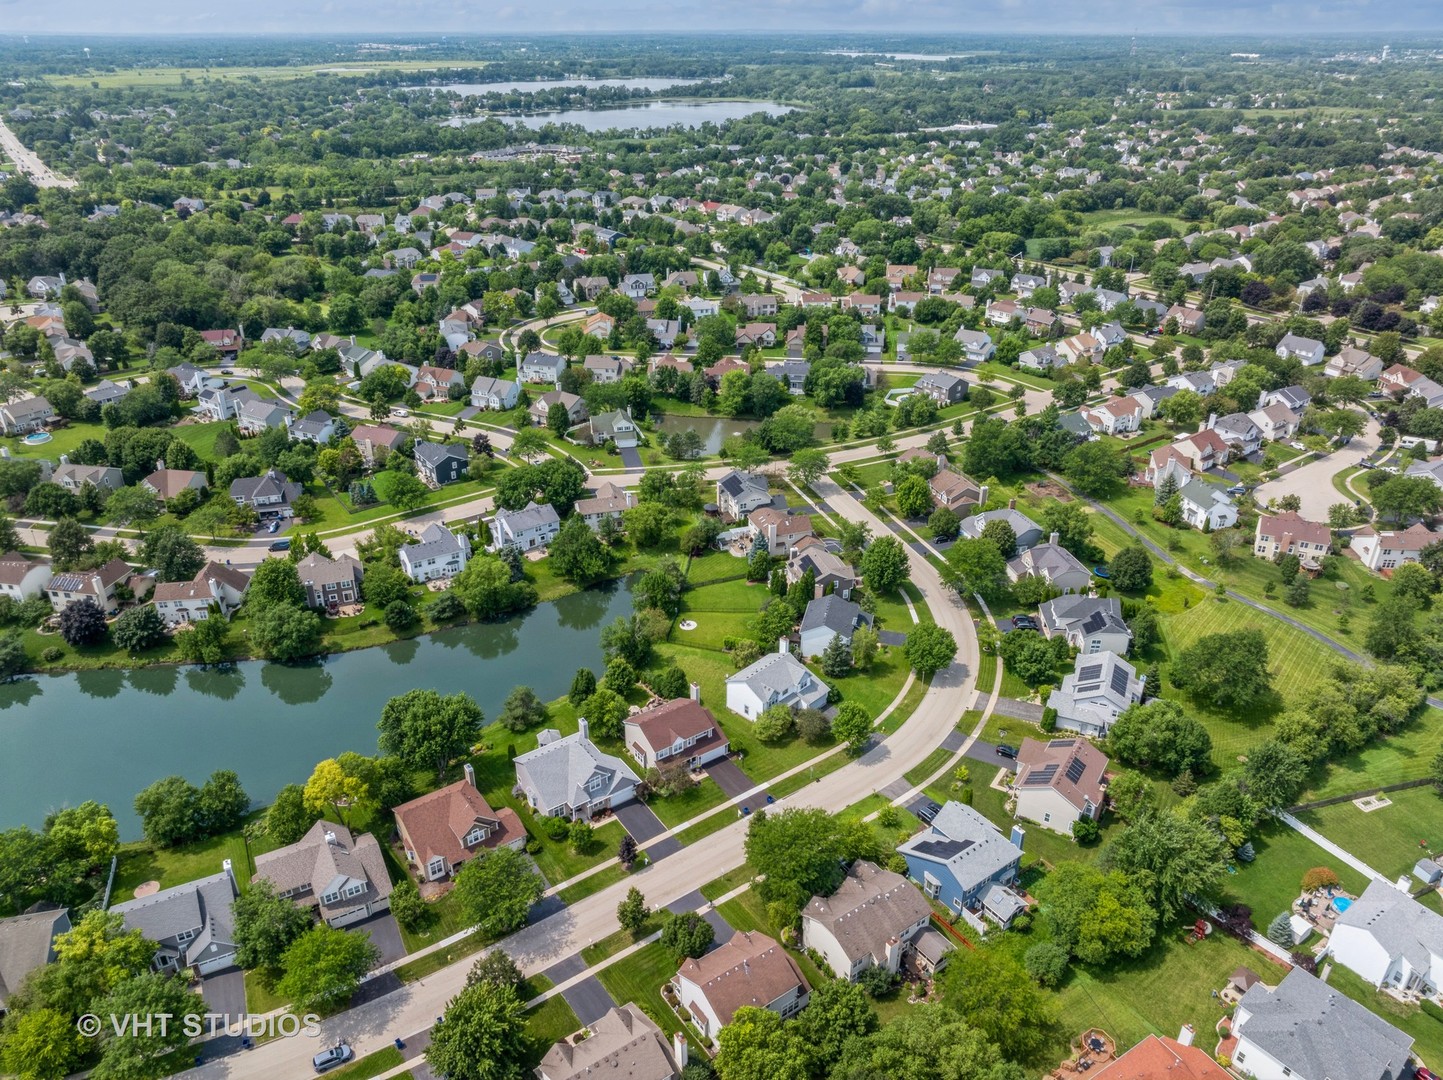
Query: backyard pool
(1341, 904)
(35, 438)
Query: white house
(1207, 507)
(534, 525)
(829, 617)
(1380, 550)
(1053, 563)
(1391, 940)
(1306, 350)
(1099, 689)
(217, 587)
(1090, 624)
(21, 577)
(494, 395)
(610, 501)
(1114, 416)
(1060, 781)
(749, 970)
(1342, 1038)
(569, 777)
(679, 729)
(776, 679)
(440, 554)
(739, 493)
(870, 921)
(976, 345)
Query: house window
(1095, 645)
(185, 935)
(435, 868)
(355, 890)
(1046, 817)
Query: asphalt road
(29, 162)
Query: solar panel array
(1042, 776)
(1119, 681)
(1075, 768)
(1091, 671)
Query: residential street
(414, 1007)
(1313, 483)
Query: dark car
(1024, 622)
(927, 811)
(1003, 750)
(332, 1058)
(280, 545)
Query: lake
(105, 735)
(644, 115)
(536, 85)
(714, 430)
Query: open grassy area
(1273, 880)
(371, 1065)
(141, 861)
(547, 1024)
(639, 978)
(1386, 760)
(1391, 839)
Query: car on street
(280, 545)
(332, 1058)
(1003, 750)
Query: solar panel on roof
(1041, 776)
(1056, 743)
(1091, 671)
(1075, 769)
(1089, 688)
(1119, 682)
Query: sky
(832, 16)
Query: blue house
(963, 862)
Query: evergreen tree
(836, 658)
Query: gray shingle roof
(434, 454)
(203, 905)
(779, 673)
(870, 907)
(1402, 925)
(834, 613)
(970, 846)
(559, 771)
(25, 945)
(1084, 615)
(1318, 1032)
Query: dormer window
(185, 935)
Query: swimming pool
(35, 438)
(1341, 904)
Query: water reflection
(223, 682)
(402, 652)
(160, 679)
(586, 610)
(487, 641)
(297, 684)
(20, 692)
(100, 684)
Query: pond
(649, 114)
(714, 430)
(536, 85)
(105, 735)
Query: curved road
(414, 1007)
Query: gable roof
(750, 969)
(204, 904)
(1084, 615)
(327, 854)
(1160, 1058)
(778, 672)
(737, 483)
(437, 822)
(435, 454)
(833, 613)
(680, 719)
(1400, 924)
(559, 770)
(1047, 560)
(871, 907)
(966, 843)
(1074, 768)
(1317, 1031)
(25, 944)
(625, 1044)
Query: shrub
(52, 653)
(1320, 877)
(555, 828)
(877, 981)
(1046, 962)
(1049, 720)
(1085, 830)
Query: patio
(1093, 1047)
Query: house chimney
(1186, 1035)
(65, 459)
(331, 838)
(1212, 419)
(680, 1049)
(982, 495)
(470, 774)
(1053, 539)
(228, 871)
(1018, 834)
(696, 692)
(159, 464)
(783, 645)
(584, 728)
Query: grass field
(546, 1024)
(1427, 1031)
(639, 978)
(1389, 840)
(141, 861)
(1273, 880)
(1390, 760)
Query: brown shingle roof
(437, 823)
(750, 969)
(14, 566)
(871, 907)
(1061, 753)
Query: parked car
(1237, 489)
(401, 413)
(927, 811)
(1003, 750)
(280, 545)
(274, 526)
(1024, 622)
(332, 1058)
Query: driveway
(986, 753)
(589, 1000)
(1020, 710)
(637, 819)
(631, 458)
(730, 778)
(385, 935)
(225, 992)
(1313, 483)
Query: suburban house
(1041, 358)
(541, 367)
(256, 415)
(106, 392)
(1379, 550)
(568, 777)
(740, 493)
(1059, 781)
(299, 339)
(1354, 361)
(317, 427)
(1114, 416)
(1243, 437)
(625, 1044)
(439, 464)
(534, 525)
(1304, 349)
(1289, 534)
(679, 729)
(982, 278)
(1207, 507)
(1027, 531)
(27, 943)
(1199, 382)
(778, 678)
(976, 345)
(215, 585)
(829, 617)
(963, 862)
(1002, 312)
(329, 583)
(1090, 624)
(494, 395)
(1099, 689)
(1159, 1058)
(829, 573)
(749, 970)
(609, 502)
(779, 530)
(435, 383)
(574, 404)
(343, 876)
(606, 369)
(1080, 348)
(1395, 379)
(1295, 398)
(1053, 563)
(21, 577)
(874, 919)
(73, 477)
(792, 374)
(440, 554)
(1276, 422)
(1203, 450)
(226, 343)
(24, 416)
(1431, 471)
(1150, 397)
(441, 830)
(955, 491)
(1168, 461)
(1024, 285)
(1342, 1038)
(942, 387)
(270, 495)
(1391, 940)
(98, 585)
(191, 924)
(614, 427)
(1189, 320)
(371, 437)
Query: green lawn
(140, 861)
(639, 979)
(1387, 760)
(1391, 839)
(371, 1065)
(546, 1024)
(1273, 880)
